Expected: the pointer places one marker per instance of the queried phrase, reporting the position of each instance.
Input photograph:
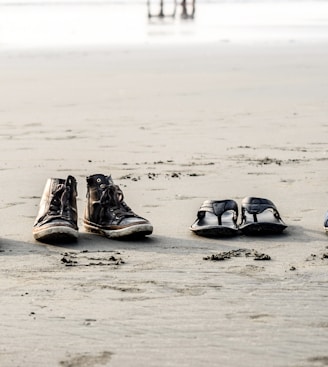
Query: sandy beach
(174, 124)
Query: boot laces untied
(112, 199)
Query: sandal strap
(257, 205)
(217, 207)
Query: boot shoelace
(112, 198)
(61, 196)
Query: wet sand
(173, 125)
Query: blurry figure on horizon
(188, 9)
(161, 13)
(185, 12)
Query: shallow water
(68, 24)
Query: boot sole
(139, 230)
(56, 234)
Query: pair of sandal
(217, 218)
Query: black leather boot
(57, 217)
(107, 214)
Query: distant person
(161, 13)
(185, 13)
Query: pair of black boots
(106, 212)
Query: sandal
(216, 218)
(325, 224)
(260, 216)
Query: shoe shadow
(193, 243)
(10, 247)
(293, 234)
(155, 243)
(159, 243)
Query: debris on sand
(237, 253)
(86, 258)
